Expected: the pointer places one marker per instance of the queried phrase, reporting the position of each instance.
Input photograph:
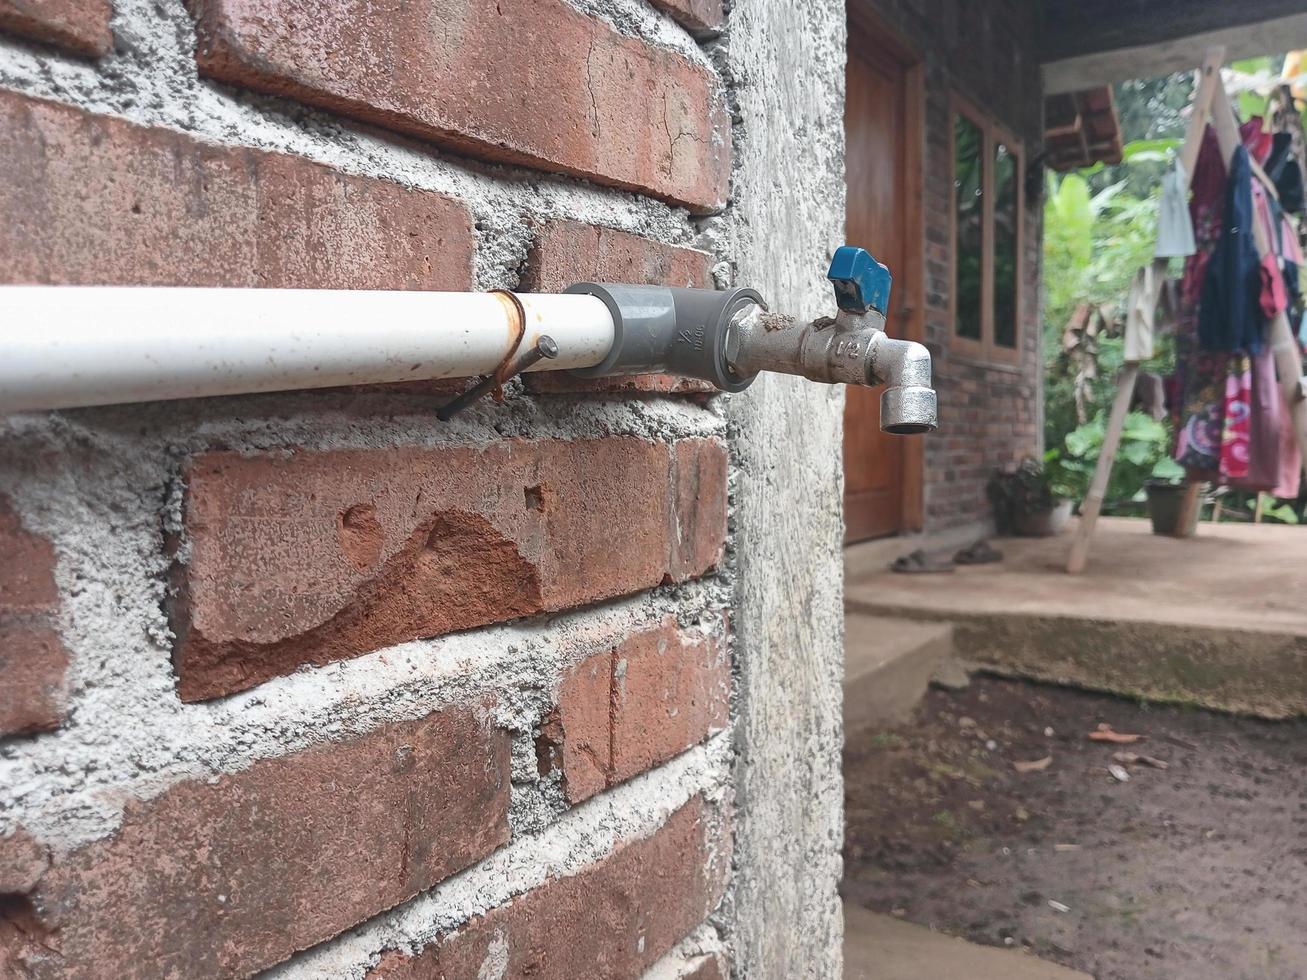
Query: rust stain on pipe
(516, 332)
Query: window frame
(985, 349)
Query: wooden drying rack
(1211, 103)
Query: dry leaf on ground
(1105, 733)
(1036, 765)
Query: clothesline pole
(1209, 81)
(1092, 506)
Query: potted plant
(1025, 501)
(1143, 472)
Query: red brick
(700, 472)
(317, 556)
(22, 862)
(582, 738)
(80, 25)
(92, 199)
(33, 690)
(230, 877)
(566, 252)
(611, 921)
(700, 16)
(579, 99)
(636, 705)
(33, 661)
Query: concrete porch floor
(880, 947)
(1218, 620)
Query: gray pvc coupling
(669, 329)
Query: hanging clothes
(1200, 375)
(1199, 438)
(1265, 421)
(1273, 295)
(1289, 484)
(1175, 228)
(1257, 139)
(1237, 410)
(1228, 315)
(1140, 312)
(1232, 421)
(1285, 172)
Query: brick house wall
(990, 414)
(312, 682)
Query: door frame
(871, 34)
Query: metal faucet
(851, 347)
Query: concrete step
(881, 947)
(888, 663)
(1217, 620)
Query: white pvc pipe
(68, 346)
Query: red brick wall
(33, 661)
(272, 667)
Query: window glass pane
(1006, 235)
(968, 205)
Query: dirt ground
(1195, 872)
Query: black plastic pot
(1165, 501)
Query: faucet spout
(846, 349)
(908, 405)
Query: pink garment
(1265, 423)
(1274, 297)
(1292, 250)
(1290, 457)
(1238, 411)
(1262, 212)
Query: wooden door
(881, 126)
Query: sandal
(918, 562)
(979, 553)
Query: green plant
(1281, 513)
(1094, 243)
(1100, 228)
(1252, 79)
(1025, 490)
(1143, 455)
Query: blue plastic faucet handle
(861, 283)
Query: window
(987, 218)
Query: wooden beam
(1175, 52)
(1092, 505)
(1209, 80)
(1077, 27)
